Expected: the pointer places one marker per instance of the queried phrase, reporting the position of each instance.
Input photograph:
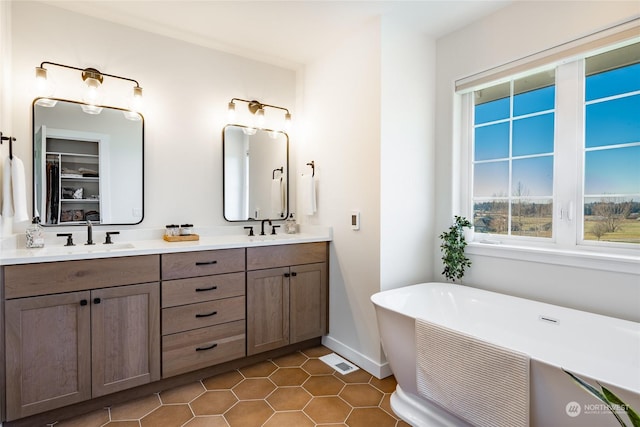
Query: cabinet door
(267, 309)
(125, 337)
(48, 351)
(308, 309)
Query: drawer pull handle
(206, 262)
(212, 346)
(212, 288)
(213, 313)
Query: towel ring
(11, 141)
(312, 163)
(280, 169)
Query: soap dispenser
(290, 225)
(35, 234)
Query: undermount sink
(270, 237)
(82, 248)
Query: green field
(629, 231)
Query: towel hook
(273, 174)
(11, 141)
(312, 163)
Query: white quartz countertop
(147, 242)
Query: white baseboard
(374, 368)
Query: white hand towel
(19, 191)
(7, 196)
(277, 197)
(308, 195)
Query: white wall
(369, 109)
(5, 91)
(407, 156)
(342, 135)
(186, 91)
(514, 32)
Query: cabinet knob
(84, 302)
(294, 274)
(287, 274)
(97, 300)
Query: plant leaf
(597, 393)
(633, 415)
(588, 387)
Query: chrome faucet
(89, 233)
(262, 226)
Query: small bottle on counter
(290, 225)
(186, 229)
(35, 234)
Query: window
(612, 146)
(528, 173)
(513, 148)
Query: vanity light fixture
(93, 80)
(257, 109)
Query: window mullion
(568, 175)
(510, 186)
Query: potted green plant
(452, 247)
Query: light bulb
(231, 112)
(135, 103)
(91, 109)
(91, 92)
(132, 115)
(44, 88)
(287, 121)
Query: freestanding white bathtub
(594, 347)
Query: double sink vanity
(88, 326)
(91, 325)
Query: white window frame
(566, 247)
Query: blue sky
(613, 121)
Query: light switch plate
(355, 220)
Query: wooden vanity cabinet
(287, 291)
(83, 339)
(203, 309)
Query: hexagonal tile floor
(296, 390)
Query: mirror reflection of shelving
(72, 181)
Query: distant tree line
(595, 208)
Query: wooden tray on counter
(186, 238)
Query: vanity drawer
(193, 316)
(200, 348)
(284, 255)
(202, 263)
(69, 276)
(199, 289)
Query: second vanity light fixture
(93, 80)
(257, 109)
